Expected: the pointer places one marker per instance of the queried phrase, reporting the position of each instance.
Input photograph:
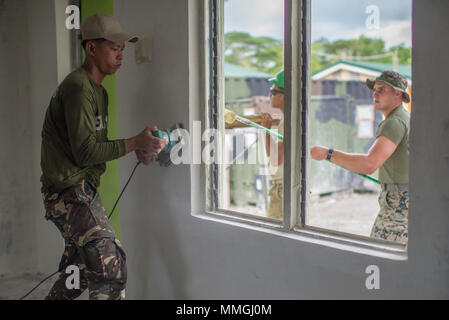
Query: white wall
(46, 70)
(174, 255)
(170, 253)
(16, 208)
(28, 77)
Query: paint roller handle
(360, 174)
(257, 126)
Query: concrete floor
(350, 213)
(15, 287)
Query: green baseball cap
(394, 79)
(278, 79)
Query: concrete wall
(15, 138)
(170, 253)
(28, 77)
(47, 64)
(174, 255)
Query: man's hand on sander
(146, 146)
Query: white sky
(332, 19)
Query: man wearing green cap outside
(74, 152)
(389, 154)
(276, 157)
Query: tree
(264, 54)
(354, 48)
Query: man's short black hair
(99, 41)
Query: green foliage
(265, 54)
(404, 54)
(361, 47)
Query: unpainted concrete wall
(174, 255)
(28, 77)
(170, 253)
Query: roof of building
(369, 68)
(234, 71)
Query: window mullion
(215, 92)
(294, 103)
(305, 54)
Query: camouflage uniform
(392, 221)
(276, 201)
(90, 244)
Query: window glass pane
(253, 53)
(354, 40)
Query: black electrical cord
(39, 285)
(112, 211)
(129, 179)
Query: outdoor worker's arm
(272, 143)
(382, 149)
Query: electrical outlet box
(143, 49)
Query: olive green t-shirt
(396, 127)
(74, 135)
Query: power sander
(163, 158)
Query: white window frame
(202, 102)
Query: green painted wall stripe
(109, 186)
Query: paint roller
(230, 117)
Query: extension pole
(257, 126)
(360, 174)
(230, 117)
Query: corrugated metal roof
(234, 71)
(374, 66)
(402, 69)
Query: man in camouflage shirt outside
(389, 154)
(74, 152)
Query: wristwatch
(329, 154)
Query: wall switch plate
(143, 50)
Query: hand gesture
(319, 152)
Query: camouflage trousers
(276, 200)
(392, 221)
(90, 244)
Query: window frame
(205, 89)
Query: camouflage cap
(394, 79)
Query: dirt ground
(354, 213)
(351, 213)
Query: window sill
(340, 241)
